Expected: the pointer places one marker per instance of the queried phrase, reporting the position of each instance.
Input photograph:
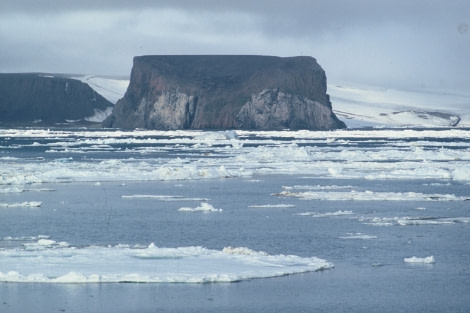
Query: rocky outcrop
(274, 109)
(225, 91)
(44, 99)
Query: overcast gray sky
(397, 44)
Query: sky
(402, 44)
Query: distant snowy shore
(367, 106)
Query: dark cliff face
(225, 91)
(25, 98)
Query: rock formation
(225, 91)
(46, 99)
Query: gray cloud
(402, 44)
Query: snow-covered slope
(374, 106)
(110, 88)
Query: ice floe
(204, 207)
(163, 197)
(358, 236)
(272, 206)
(49, 262)
(30, 204)
(407, 220)
(426, 260)
(117, 155)
(369, 196)
(327, 214)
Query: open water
(345, 221)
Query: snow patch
(112, 89)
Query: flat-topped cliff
(45, 99)
(225, 91)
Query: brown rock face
(225, 91)
(25, 98)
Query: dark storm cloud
(396, 43)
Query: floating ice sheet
(426, 260)
(163, 197)
(408, 220)
(47, 261)
(272, 206)
(358, 236)
(116, 155)
(327, 214)
(28, 204)
(369, 196)
(204, 207)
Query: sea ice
(368, 196)
(327, 214)
(151, 264)
(272, 206)
(192, 155)
(163, 197)
(31, 204)
(407, 220)
(426, 260)
(358, 236)
(204, 207)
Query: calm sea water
(365, 227)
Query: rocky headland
(47, 99)
(225, 92)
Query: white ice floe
(426, 260)
(369, 196)
(327, 214)
(204, 207)
(406, 220)
(163, 197)
(272, 206)
(53, 263)
(26, 238)
(192, 155)
(11, 190)
(30, 204)
(358, 236)
(46, 242)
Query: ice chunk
(407, 220)
(163, 197)
(327, 214)
(426, 260)
(31, 204)
(204, 207)
(242, 250)
(46, 242)
(272, 206)
(358, 236)
(368, 196)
